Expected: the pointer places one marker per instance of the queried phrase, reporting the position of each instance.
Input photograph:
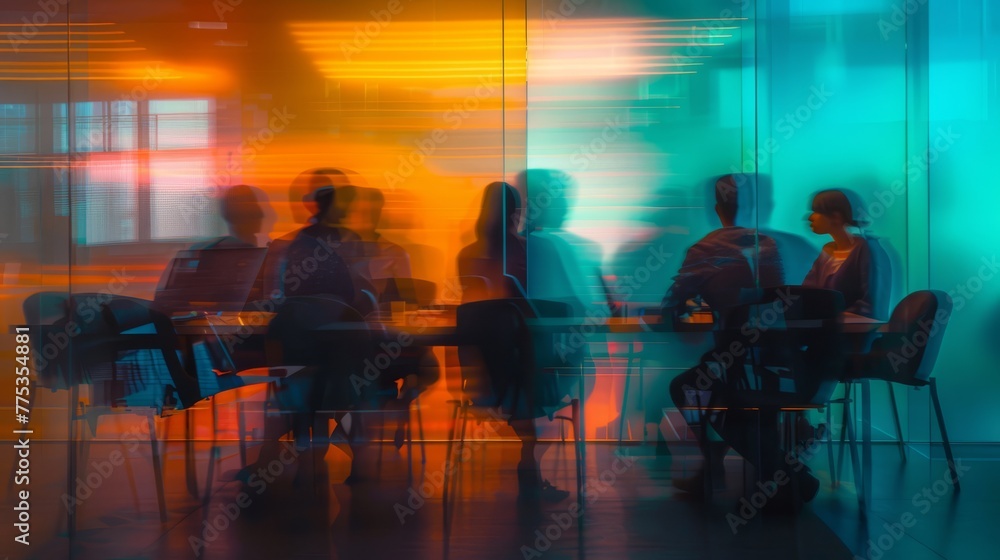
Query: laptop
(209, 280)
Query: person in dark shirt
(726, 264)
(312, 263)
(725, 268)
(850, 264)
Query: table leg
(866, 444)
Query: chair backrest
(61, 354)
(411, 290)
(475, 288)
(496, 359)
(790, 336)
(506, 361)
(909, 343)
(346, 371)
(45, 308)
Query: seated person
(498, 253)
(724, 265)
(564, 266)
(722, 268)
(302, 201)
(242, 208)
(379, 257)
(850, 264)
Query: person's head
(831, 212)
(302, 193)
(727, 197)
(547, 193)
(241, 209)
(364, 210)
(501, 209)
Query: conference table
(437, 327)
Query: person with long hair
(498, 253)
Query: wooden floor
(632, 510)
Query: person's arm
(865, 283)
(812, 278)
(770, 269)
(687, 282)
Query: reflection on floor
(632, 509)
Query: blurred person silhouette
(852, 264)
(498, 256)
(566, 268)
(498, 251)
(242, 208)
(378, 257)
(562, 266)
(723, 269)
(318, 247)
(665, 226)
(726, 264)
(305, 212)
(756, 206)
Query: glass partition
(124, 125)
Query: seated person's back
(726, 266)
(722, 268)
(313, 266)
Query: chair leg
(829, 448)
(449, 470)
(71, 470)
(409, 445)
(855, 463)
(944, 434)
(154, 445)
(241, 430)
(210, 474)
(624, 410)
(577, 443)
(895, 417)
(420, 432)
(641, 383)
(844, 419)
